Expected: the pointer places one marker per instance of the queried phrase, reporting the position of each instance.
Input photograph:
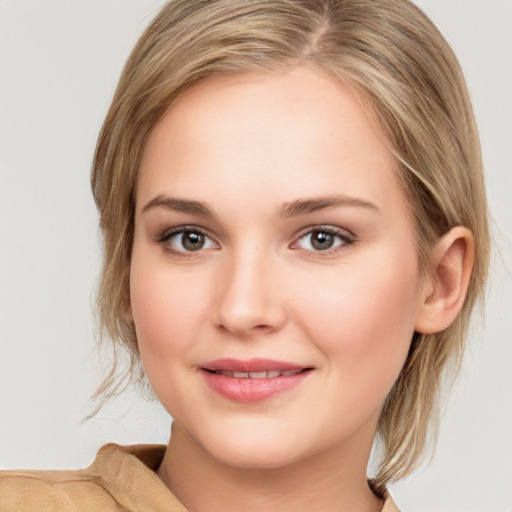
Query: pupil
(322, 240)
(193, 241)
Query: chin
(252, 449)
(255, 457)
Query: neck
(328, 481)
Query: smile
(253, 380)
(258, 375)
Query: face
(274, 277)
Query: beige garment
(120, 479)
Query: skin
(248, 148)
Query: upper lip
(251, 365)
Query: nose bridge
(249, 299)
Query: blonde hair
(408, 76)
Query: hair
(399, 63)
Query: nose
(250, 296)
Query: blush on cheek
(153, 309)
(365, 318)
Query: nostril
(262, 327)
(245, 330)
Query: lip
(249, 390)
(256, 364)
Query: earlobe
(452, 262)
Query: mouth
(270, 374)
(253, 380)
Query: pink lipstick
(252, 380)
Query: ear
(445, 289)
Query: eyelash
(344, 238)
(166, 237)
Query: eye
(323, 239)
(188, 240)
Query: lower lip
(252, 390)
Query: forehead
(296, 133)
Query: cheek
(167, 308)
(362, 318)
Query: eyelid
(169, 233)
(347, 237)
(327, 227)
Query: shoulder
(21, 490)
(95, 488)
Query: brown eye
(188, 240)
(320, 240)
(323, 239)
(192, 241)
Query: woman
(294, 220)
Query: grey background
(59, 63)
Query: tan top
(120, 479)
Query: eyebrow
(291, 209)
(178, 205)
(309, 205)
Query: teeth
(258, 375)
(287, 373)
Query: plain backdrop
(60, 60)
